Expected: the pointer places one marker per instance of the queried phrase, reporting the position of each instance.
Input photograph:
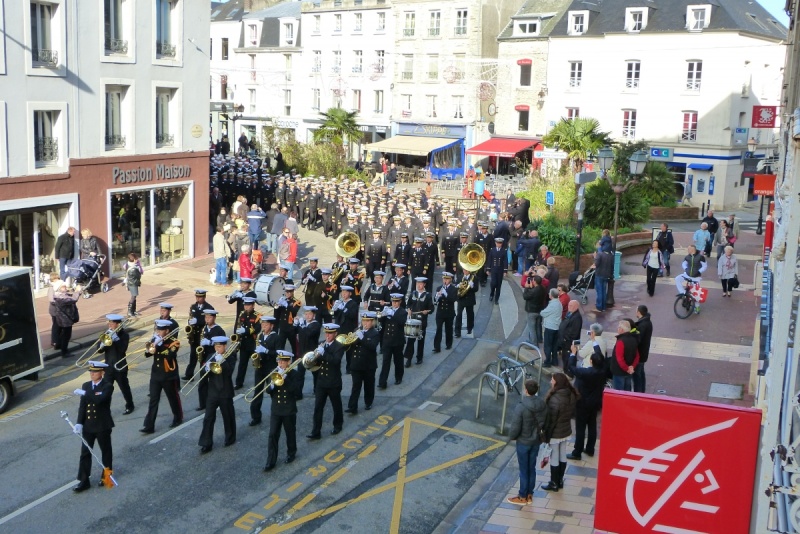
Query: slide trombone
(106, 339)
(149, 348)
(276, 378)
(213, 367)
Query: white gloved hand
(110, 332)
(80, 392)
(360, 334)
(207, 366)
(114, 337)
(205, 342)
(312, 279)
(157, 340)
(471, 285)
(261, 349)
(218, 358)
(283, 302)
(319, 351)
(192, 321)
(240, 330)
(77, 429)
(296, 321)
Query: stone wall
(682, 213)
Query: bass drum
(269, 289)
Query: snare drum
(413, 329)
(269, 289)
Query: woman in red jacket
(287, 255)
(246, 266)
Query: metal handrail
(538, 356)
(494, 377)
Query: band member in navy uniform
(402, 252)
(399, 282)
(308, 332)
(283, 411)
(446, 296)
(394, 321)
(285, 312)
(94, 422)
(466, 302)
(196, 313)
(375, 253)
(377, 295)
(419, 260)
(220, 395)
(329, 381)
(115, 357)
(364, 363)
(247, 327)
(238, 296)
(267, 347)
(432, 254)
(327, 291)
(496, 266)
(354, 277)
(450, 242)
(345, 313)
(484, 239)
(165, 312)
(311, 277)
(420, 306)
(164, 376)
(208, 331)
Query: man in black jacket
(419, 307)
(164, 376)
(283, 411)
(645, 328)
(568, 331)
(590, 383)
(364, 363)
(115, 357)
(496, 266)
(308, 332)
(446, 296)
(535, 300)
(394, 321)
(65, 251)
(247, 327)
(220, 395)
(466, 302)
(267, 349)
(329, 381)
(94, 422)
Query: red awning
(502, 147)
(524, 61)
(522, 107)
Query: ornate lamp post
(752, 145)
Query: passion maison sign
(159, 171)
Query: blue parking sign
(550, 198)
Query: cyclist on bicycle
(694, 264)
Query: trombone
(276, 378)
(142, 352)
(214, 367)
(104, 340)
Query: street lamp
(752, 144)
(637, 161)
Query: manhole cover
(725, 391)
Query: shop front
(150, 205)
(505, 155)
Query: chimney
(248, 5)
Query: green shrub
(560, 240)
(600, 205)
(564, 189)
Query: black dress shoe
(290, 459)
(574, 456)
(231, 442)
(176, 424)
(419, 362)
(146, 430)
(83, 486)
(381, 386)
(368, 407)
(128, 410)
(314, 437)
(589, 454)
(437, 351)
(457, 336)
(408, 364)
(349, 410)
(253, 422)
(186, 378)
(398, 382)
(448, 347)
(269, 467)
(204, 450)
(238, 386)
(469, 332)
(100, 484)
(335, 431)
(200, 409)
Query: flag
(764, 116)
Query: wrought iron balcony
(692, 85)
(46, 149)
(460, 30)
(357, 69)
(408, 75)
(115, 141)
(45, 56)
(408, 32)
(689, 135)
(116, 46)
(165, 49)
(165, 139)
(433, 32)
(433, 74)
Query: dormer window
(697, 17)
(288, 33)
(578, 22)
(253, 29)
(635, 19)
(527, 27)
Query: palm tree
(580, 138)
(338, 125)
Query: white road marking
(177, 429)
(34, 408)
(37, 502)
(428, 403)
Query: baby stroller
(88, 274)
(581, 283)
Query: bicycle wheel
(683, 307)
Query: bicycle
(512, 373)
(689, 301)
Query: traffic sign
(585, 177)
(550, 198)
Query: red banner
(764, 116)
(675, 465)
(764, 184)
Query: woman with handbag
(728, 270)
(66, 310)
(653, 262)
(723, 238)
(561, 401)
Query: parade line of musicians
(392, 319)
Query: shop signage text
(147, 174)
(281, 123)
(434, 130)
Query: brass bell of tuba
(472, 257)
(348, 244)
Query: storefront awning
(503, 147)
(409, 144)
(701, 166)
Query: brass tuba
(471, 258)
(348, 244)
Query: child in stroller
(581, 283)
(87, 274)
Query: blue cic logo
(660, 152)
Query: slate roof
(531, 8)
(608, 16)
(284, 9)
(270, 25)
(231, 11)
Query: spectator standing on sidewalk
(666, 244)
(535, 300)
(702, 239)
(287, 254)
(528, 417)
(645, 328)
(67, 315)
(625, 357)
(133, 280)
(712, 226)
(604, 270)
(551, 320)
(590, 383)
(65, 251)
(222, 252)
(561, 401)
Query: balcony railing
(408, 32)
(357, 69)
(433, 32)
(377, 68)
(433, 75)
(689, 135)
(165, 139)
(629, 132)
(632, 83)
(116, 46)
(315, 68)
(460, 31)
(408, 75)
(46, 149)
(45, 57)
(165, 49)
(574, 82)
(336, 69)
(115, 141)
(692, 85)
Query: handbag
(732, 240)
(734, 282)
(543, 458)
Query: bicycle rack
(496, 379)
(538, 356)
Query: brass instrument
(348, 339)
(256, 359)
(104, 340)
(213, 367)
(188, 329)
(309, 359)
(276, 378)
(471, 258)
(348, 244)
(149, 348)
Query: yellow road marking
(397, 508)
